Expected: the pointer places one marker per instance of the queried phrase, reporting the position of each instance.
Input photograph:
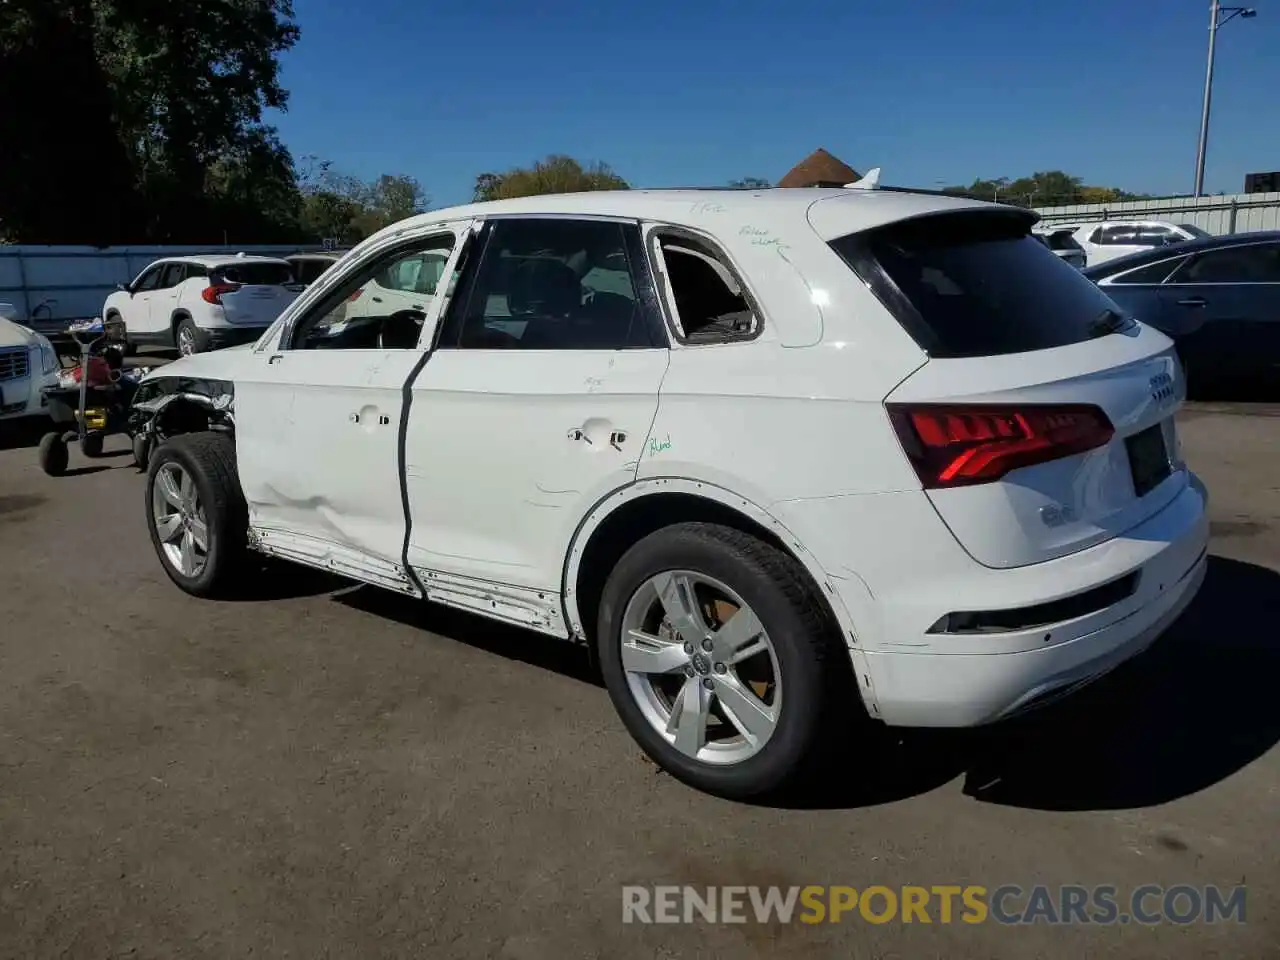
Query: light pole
(1216, 19)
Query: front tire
(718, 655)
(91, 445)
(196, 513)
(141, 451)
(115, 329)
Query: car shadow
(1190, 712)
(512, 643)
(85, 471)
(1187, 714)
(271, 579)
(22, 433)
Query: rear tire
(53, 454)
(91, 445)
(188, 338)
(745, 746)
(196, 513)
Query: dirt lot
(321, 770)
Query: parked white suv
(201, 303)
(1110, 239)
(769, 455)
(28, 364)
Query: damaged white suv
(758, 450)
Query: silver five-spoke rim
(179, 520)
(701, 667)
(186, 342)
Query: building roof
(819, 169)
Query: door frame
(276, 343)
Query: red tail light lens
(355, 296)
(213, 293)
(952, 446)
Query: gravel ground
(323, 770)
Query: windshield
(975, 284)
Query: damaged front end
(165, 407)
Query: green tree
(1048, 188)
(339, 206)
(169, 102)
(555, 174)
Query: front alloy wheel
(179, 519)
(701, 667)
(196, 512)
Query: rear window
(256, 273)
(975, 284)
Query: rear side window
(270, 274)
(975, 284)
(1257, 263)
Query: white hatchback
(201, 303)
(767, 454)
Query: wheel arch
(176, 317)
(632, 512)
(169, 406)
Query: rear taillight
(952, 446)
(355, 296)
(213, 293)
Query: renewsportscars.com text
(1007, 904)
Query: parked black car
(1218, 298)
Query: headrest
(545, 288)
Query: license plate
(1148, 459)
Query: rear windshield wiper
(1108, 322)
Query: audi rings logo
(1161, 387)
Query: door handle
(376, 299)
(1193, 302)
(274, 358)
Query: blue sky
(703, 91)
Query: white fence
(58, 284)
(1237, 213)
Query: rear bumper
(218, 337)
(938, 688)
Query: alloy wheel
(179, 520)
(701, 667)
